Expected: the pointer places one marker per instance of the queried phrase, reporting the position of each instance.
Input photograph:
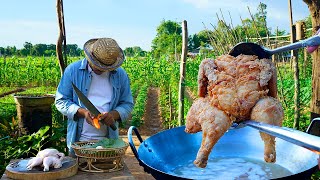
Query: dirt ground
(152, 124)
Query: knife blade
(89, 104)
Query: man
(100, 77)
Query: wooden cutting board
(17, 170)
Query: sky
(129, 22)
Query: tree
(39, 49)
(51, 50)
(9, 51)
(202, 39)
(256, 26)
(168, 40)
(129, 52)
(73, 50)
(193, 42)
(28, 47)
(314, 8)
(134, 51)
(1, 51)
(261, 20)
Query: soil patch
(152, 124)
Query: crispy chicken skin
(212, 121)
(232, 89)
(268, 110)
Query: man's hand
(110, 117)
(84, 113)
(310, 49)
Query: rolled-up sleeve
(64, 96)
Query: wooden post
(305, 62)
(61, 38)
(183, 72)
(295, 60)
(170, 104)
(314, 8)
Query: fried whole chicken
(232, 89)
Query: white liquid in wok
(232, 169)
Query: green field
(42, 74)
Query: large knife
(93, 110)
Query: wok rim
(313, 169)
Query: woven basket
(90, 156)
(105, 153)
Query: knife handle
(113, 127)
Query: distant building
(200, 51)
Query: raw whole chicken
(232, 89)
(46, 158)
(33, 162)
(51, 161)
(50, 152)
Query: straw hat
(103, 53)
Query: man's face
(96, 70)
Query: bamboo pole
(218, 35)
(255, 26)
(229, 33)
(224, 34)
(235, 34)
(170, 105)
(183, 72)
(294, 55)
(267, 31)
(212, 40)
(245, 30)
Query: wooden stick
(61, 37)
(255, 26)
(183, 72)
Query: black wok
(249, 48)
(169, 155)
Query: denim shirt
(67, 101)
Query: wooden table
(121, 174)
(125, 173)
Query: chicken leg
(213, 123)
(268, 110)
